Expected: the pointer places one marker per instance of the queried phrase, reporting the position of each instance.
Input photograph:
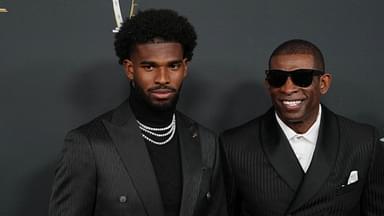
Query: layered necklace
(166, 133)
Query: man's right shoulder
(239, 132)
(93, 127)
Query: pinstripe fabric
(258, 184)
(105, 170)
(88, 179)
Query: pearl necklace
(158, 132)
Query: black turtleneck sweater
(165, 158)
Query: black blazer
(266, 179)
(105, 170)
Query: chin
(293, 119)
(164, 105)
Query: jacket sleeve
(373, 195)
(74, 186)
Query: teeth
(292, 103)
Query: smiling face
(297, 106)
(158, 71)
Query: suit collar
(123, 115)
(131, 147)
(279, 152)
(323, 159)
(192, 166)
(125, 134)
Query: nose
(162, 76)
(289, 87)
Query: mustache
(158, 87)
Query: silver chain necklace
(158, 132)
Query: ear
(185, 63)
(128, 69)
(325, 82)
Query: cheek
(273, 93)
(144, 80)
(177, 78)
(314, 97)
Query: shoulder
(353, 132)
(351, 127)
(250, 127)
(92, 128)
(356, 133)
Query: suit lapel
(191, 163)
(323, 159)
(279, 152)
(131, 147)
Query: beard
(141, 94)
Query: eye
(174, 66)
(148, 67)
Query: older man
(300, 158)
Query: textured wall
(58, 70)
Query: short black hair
(299, 46)
(155, 25)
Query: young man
(144, 157)
(300, 158)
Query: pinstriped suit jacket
(264, 178)
(105, 170)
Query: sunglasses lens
(276, 78)
(302, 78)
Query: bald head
(298, 46)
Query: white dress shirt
(302, 144)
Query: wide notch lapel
(279, 152)
(131, 147)
(190, 148)
(323, 159)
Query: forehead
(165, 51)
(290, 62)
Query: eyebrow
(154, 63)
(147, 63)
(175, 62)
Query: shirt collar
(311, 135)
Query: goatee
(162, 106)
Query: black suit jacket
(105, 170)
(266, 179)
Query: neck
(148, 114)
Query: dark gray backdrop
(58, 70)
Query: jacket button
(194, 135)
(123, 199)
(208, 195)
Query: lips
(162, 94)
(292, 104)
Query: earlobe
(128, 68)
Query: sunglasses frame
(295, 76)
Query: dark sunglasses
(300, 77)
